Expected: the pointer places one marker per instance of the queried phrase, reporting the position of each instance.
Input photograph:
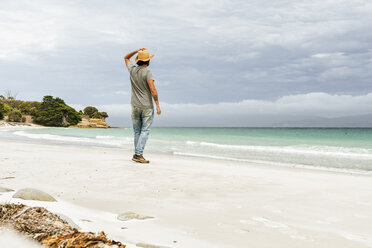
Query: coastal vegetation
(56, 113)
(53, 112)
(92, 112)
(2, 110)
(15, 116)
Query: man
(143, 90)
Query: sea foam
(98, 140)
(266, 162)
(331, 151)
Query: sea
(334, 149)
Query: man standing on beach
(143, 90)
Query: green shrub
(13, 103)
(103, 115)
(55, 112)
(25, 107)
(7, 109)
(2, 110)
(96, 115)
(33, 111)
(15, 116)
(23, 118)
(90, 111)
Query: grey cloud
(207, 52)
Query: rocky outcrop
(131, 216)
(3, 189)
(33, 194)
(91, 123)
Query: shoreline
(6, 124)
(192, 155)
(195, 202)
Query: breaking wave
(98, 140)
(331, 151)
(264, 162)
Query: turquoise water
(346, 149)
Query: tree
(26, 107)
(55, 112)
(96, 115)
(15, 116)
(103, 115)
(7, 109)
(10, 95)
(90, 111)
(2, 110)
(48, 99)
(33, 111)
(13, 103)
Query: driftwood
(49, 229)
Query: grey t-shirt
(141, 94)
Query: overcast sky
(220, 62)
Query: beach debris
(86, 220)
(49, 229)
(143, 245)
(68, 220)
(33, 194)
(131, 215)
(4, 178)
(3, 189)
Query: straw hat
(143, 55)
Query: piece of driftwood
(49, 229)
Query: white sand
(195, 202)
(11, 239)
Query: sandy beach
(193, 202)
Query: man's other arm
(154, 94)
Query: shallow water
(343, 149)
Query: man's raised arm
(130, 55)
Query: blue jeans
(142, 119)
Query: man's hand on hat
(141, 49)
